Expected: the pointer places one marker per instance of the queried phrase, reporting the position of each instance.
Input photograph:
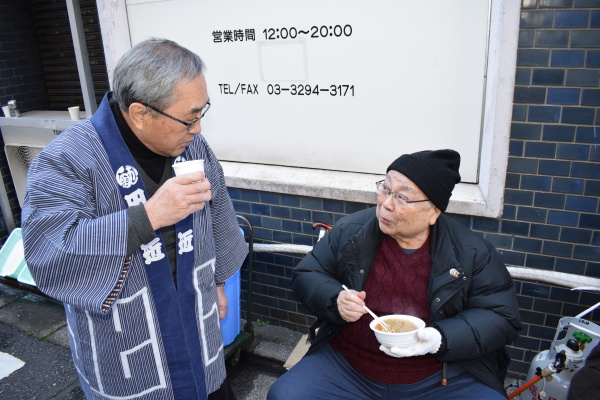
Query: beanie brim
(435, 172)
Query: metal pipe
(525, 386)
(81, 56)
(249, 328)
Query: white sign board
(342, 85)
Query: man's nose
(389, 202)
(197, 128)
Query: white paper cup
(74, 113)
(6, 110)
(186, 167)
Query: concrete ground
(33, 331)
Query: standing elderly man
(405, 257)
(138, 256)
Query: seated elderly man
(405, 257)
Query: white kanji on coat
(136, 197)
(153, 251)
(185, 241)
(179, 159)
(127, 176)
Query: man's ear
(436, 213)
(137, 115)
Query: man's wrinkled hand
(351, 305)
(177, 198)
(428, 341)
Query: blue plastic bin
(230, 325)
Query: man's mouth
(384, 220)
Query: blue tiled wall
(21, 78)
(21, 74)
(551, 217)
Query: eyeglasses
(384, 191)
(189, 125)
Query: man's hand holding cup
(179, 196)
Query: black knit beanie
(435, 172)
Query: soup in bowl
(404, 330)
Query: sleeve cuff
(140, 230)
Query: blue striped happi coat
(147, 342)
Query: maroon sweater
(397, 284)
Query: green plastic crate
(12, 259)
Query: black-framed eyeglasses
(383, 190)
(189, 125)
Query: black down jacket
(476, 310)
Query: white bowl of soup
(404, 330)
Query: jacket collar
(443, 252)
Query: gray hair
(150, 70)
